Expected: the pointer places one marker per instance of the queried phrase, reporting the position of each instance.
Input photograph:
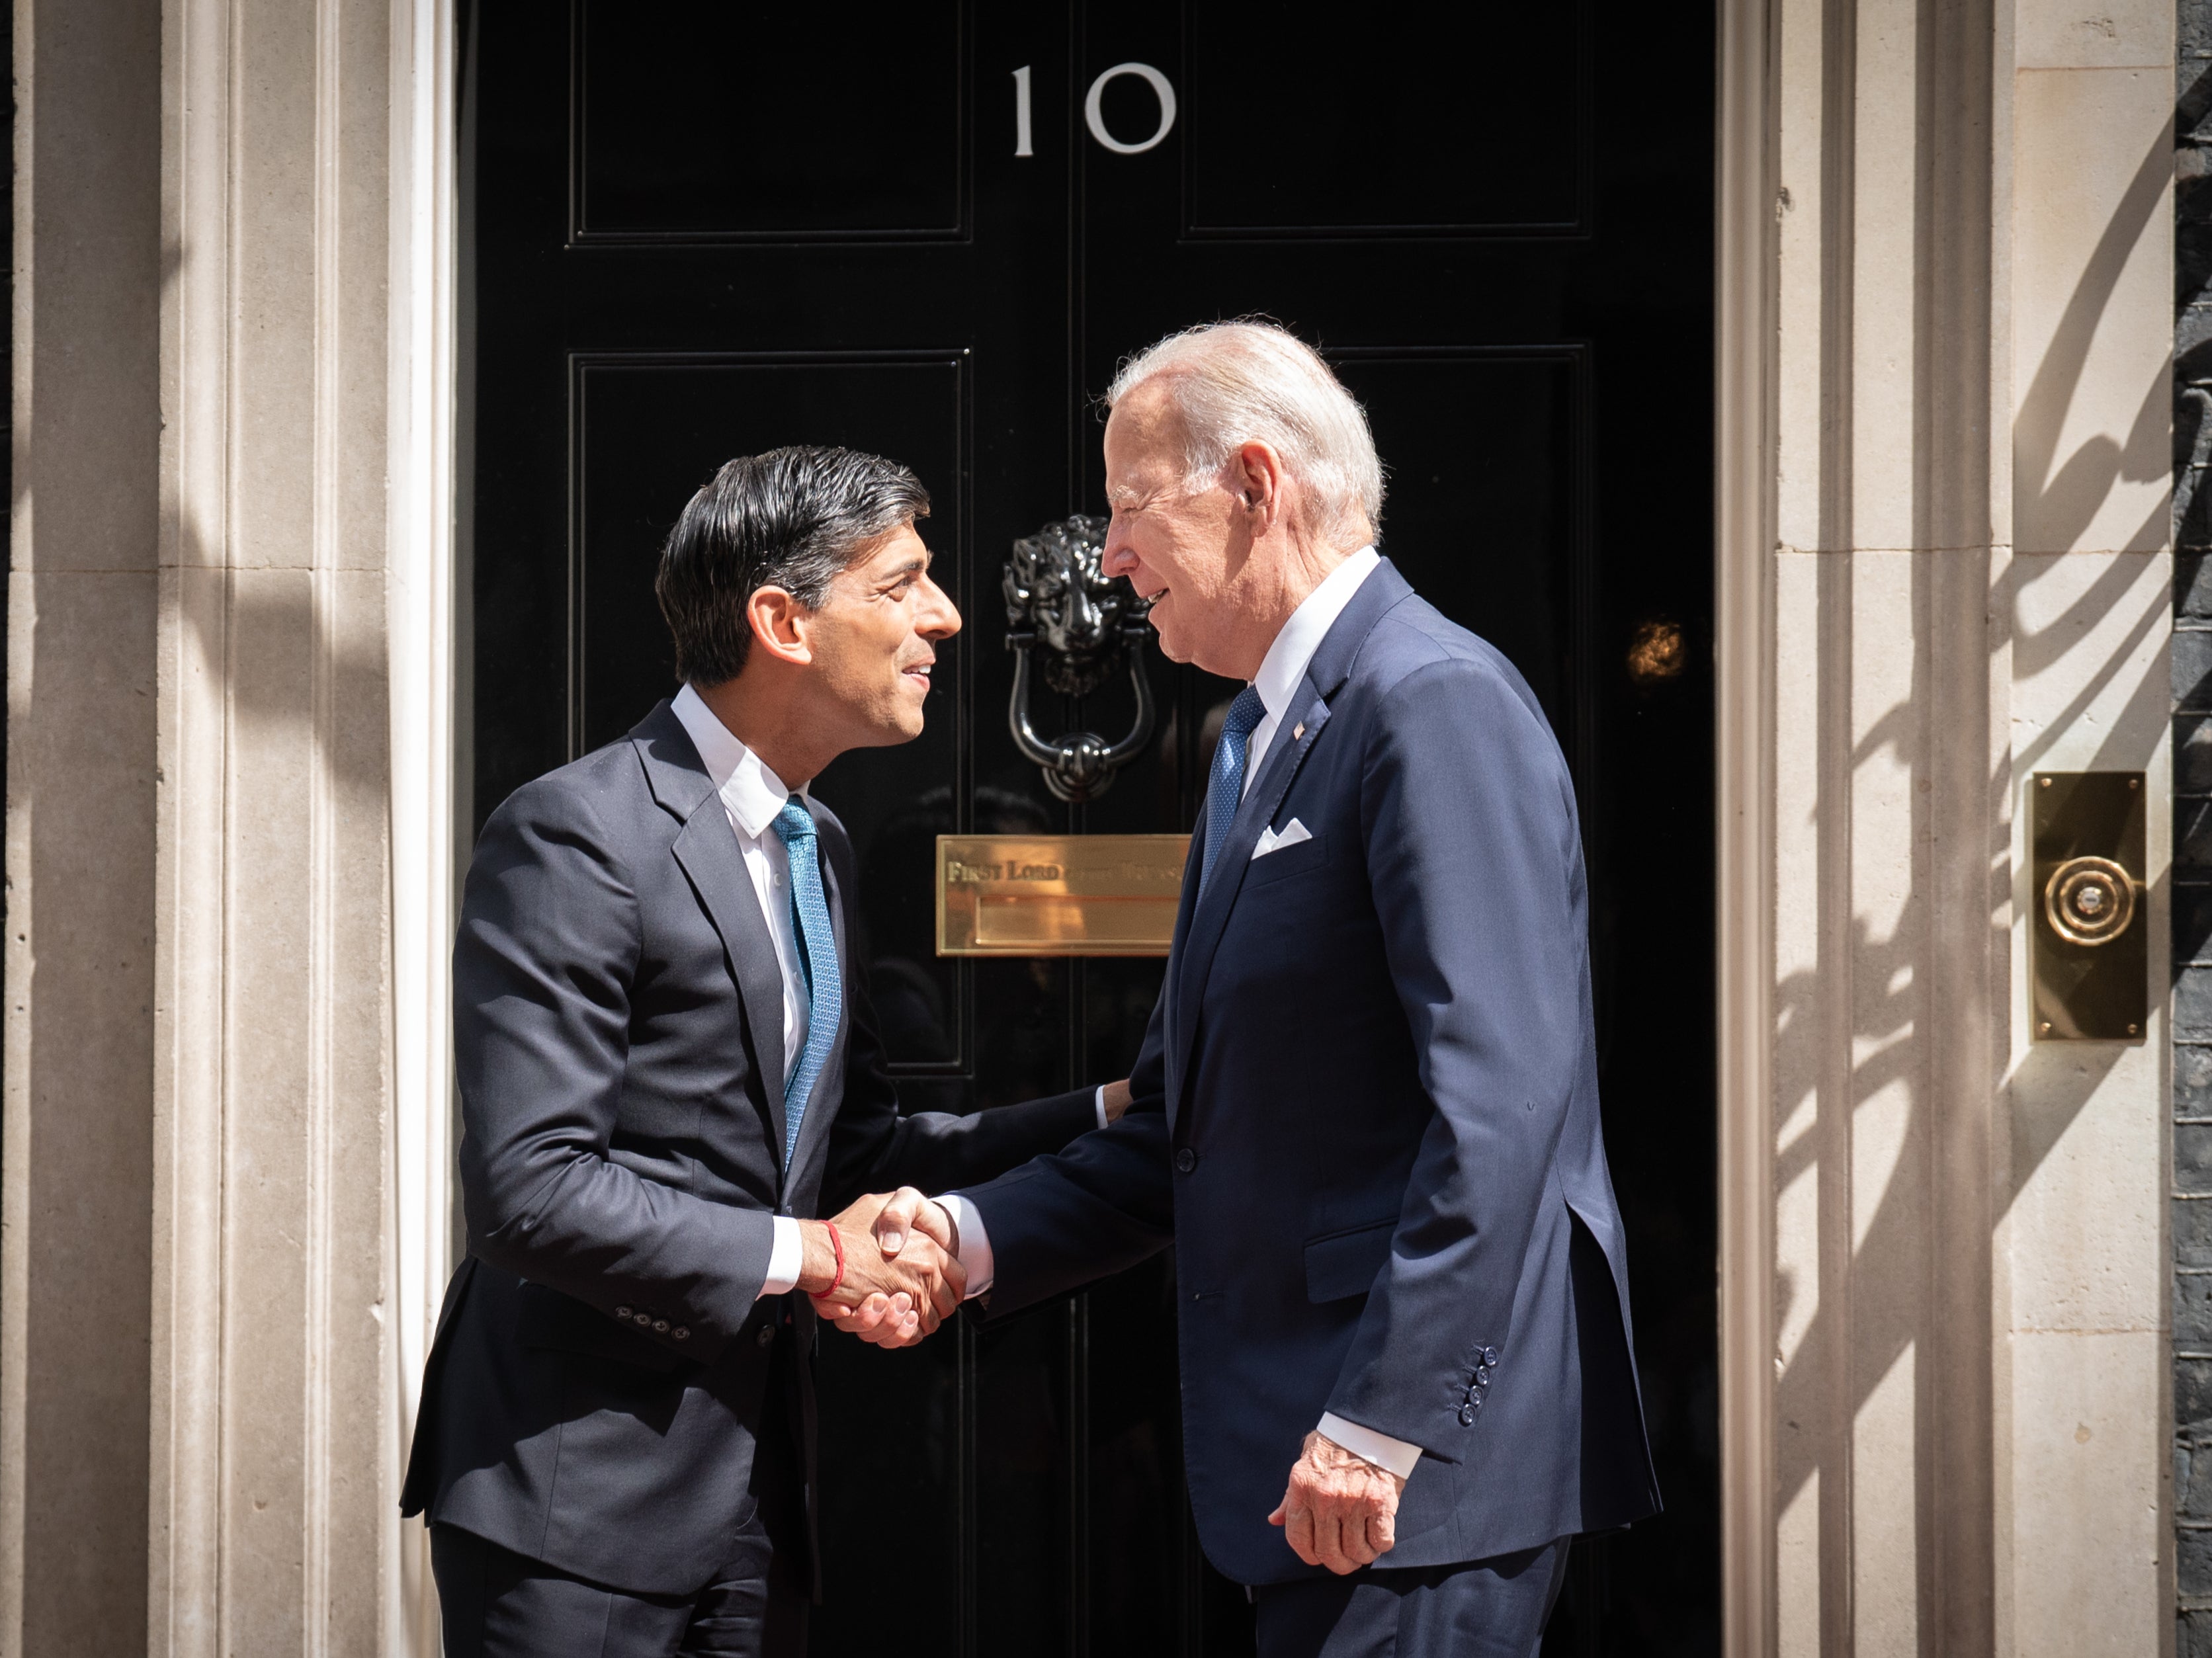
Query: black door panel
(693, 230)
(1418, 121)
(769, 124)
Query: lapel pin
(1298, 730)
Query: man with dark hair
(668, 1066)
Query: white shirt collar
(1286, 662)
(750, 791)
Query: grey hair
(790, 519)
(1234, 383)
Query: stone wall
(84, 603)
(1945, 1264)
(209, 1324)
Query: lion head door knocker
(1087, 626)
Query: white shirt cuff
(1394, 1456)
(1100, 1101)
(786, 1258)
(974, 1252)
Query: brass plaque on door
(2090, 940)
(1058, 895)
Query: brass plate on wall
(1058, 895)
(2090, 941)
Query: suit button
(1186, 1160)
(621, 1312)
(681, 1333)
(660, 1326)
(767, 1337)
(1490, 1355)
(1481, 1376)
(645, 1319)
(1467, 1416)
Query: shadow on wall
(2055, 503)
(1870, 1141)
(1866, 1116)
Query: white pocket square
(1271, 841)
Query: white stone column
(80, 962)
(430, 816)
(271, 1465)
(2084, 1548)
(229, 837)
(1945, 469)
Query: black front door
(696, 231)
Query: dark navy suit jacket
(599, 1369)
(1366, 1116)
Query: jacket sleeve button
(681, 1333)
(621, 1312)
(1467, 1416)
(660, 1326)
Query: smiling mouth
(918, 670)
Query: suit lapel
(1169, 989)
(1266, 796)
(1383, 591)
(1253, 814)
(706, 848)
(1199, 929)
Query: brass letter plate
(2090, 941)
(1058, 895)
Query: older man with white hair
(1366, 1111)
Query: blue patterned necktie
(1225, 789)
(818, 957)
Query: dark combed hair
(790, 519)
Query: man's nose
(1117, 557)
(940, 617)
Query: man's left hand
(1339, 1510)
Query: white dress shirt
(1277, 682)
(1289, 657)
(752, 795)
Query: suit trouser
(498, 1603)
(1493, 1608)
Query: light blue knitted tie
(818, 956)
(1226, 786)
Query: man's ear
(1257, 476)
(778, 621)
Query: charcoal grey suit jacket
(597, 1382)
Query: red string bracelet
(838, 1244)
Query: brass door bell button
(2089, 963)
(2089, 901)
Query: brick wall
(2192, 1205)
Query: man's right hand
(900, 1279)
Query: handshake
(887, 1269)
